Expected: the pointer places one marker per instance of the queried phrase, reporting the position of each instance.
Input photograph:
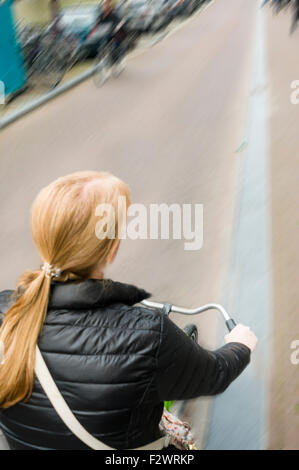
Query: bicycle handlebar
(167, 308)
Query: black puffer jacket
(114, 363)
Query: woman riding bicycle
(114, 362)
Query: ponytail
(63, 221)
(19, 333)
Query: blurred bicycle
(111, 52)
(48, 55)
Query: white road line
(239, 418)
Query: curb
(36, 103)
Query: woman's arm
(185, 370)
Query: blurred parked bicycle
(48, 55)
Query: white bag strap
(62, 409)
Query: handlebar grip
(230, 324)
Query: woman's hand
(242, 334)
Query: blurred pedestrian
(118, 34)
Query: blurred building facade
(40, 12)
(12, 73)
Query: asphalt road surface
(173, 127)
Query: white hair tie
(50, 270)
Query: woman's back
(102, 355)
(114, 363)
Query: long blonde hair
(63, 220)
